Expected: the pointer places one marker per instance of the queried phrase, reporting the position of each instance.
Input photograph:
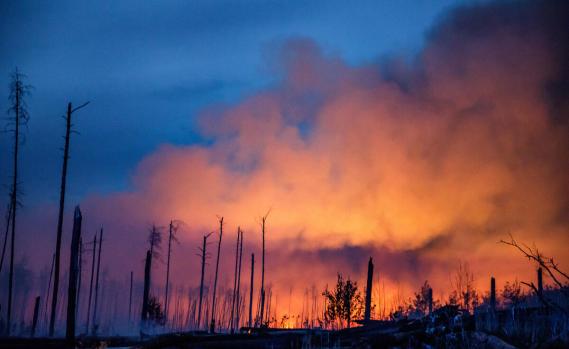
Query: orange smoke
(418, 164)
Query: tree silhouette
(344, 303)
(18, 90)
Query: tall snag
(146, 291)
(212, 325)
(171, 237)
(91, 284)
(251, 290)
(17, 107)
(95, 325)
(262, 307)
(238, 309)
(68, 126)
(231, 318)
(73, 276)
(203, 256)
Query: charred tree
(73, 276)
(35, 317)
(540, 281)
(203, 255)
(367, 313)
(493, 294)
(212, 325)
(237, 316)
(263, 221)
(48, 290)
(18, 90)
(231, 318)
(6, 233)
(79, 277)
(146, 292)
(251, 290)
(91, 283)
(95, 325)
(68, 131)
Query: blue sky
(149, 67)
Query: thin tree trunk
(60, 221)
(6, 233)
(73, 276)
(35, 318)
(234, 280)
(80, 274)
(201, 281)
(251, 290)
(238, 309)
(263, 272)
(146, 292)
(48, 290)
(91, 284)
(168, 273)
(14, 204)
(212, 325)
(95, 325)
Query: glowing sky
(421, 157)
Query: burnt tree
(212, 325)
(18, 90)
(68, 131)
(73, 276)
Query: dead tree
(18, 90)
(263, 221)
(146, 291)
(234, 280)
(6, 233)
(239, 282)
(203, 256)
(48, 290)
(68, 131)
(493, 294)
(559, 277)
(540, 280)
(251, 290)
(35, 317)
(171, 237)
(212, 325)
(367, 313)
(94, 330)
(73, 276)
(91, 283)
(80, 274)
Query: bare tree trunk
(212, 325)
(73, 275)
(540, 281)
(35, 318)
(367, 313)
(203, 256)
(48, 290)
(239, 282)
(251, 290)
(168, 272)
(17, 89)
(91, 284)
(493, 293)
(80, 274)
(146, 292)
(68, 126)
(6, 233)
(95, 325)
(234, 280)
(264, 219)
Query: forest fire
(438, 166)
